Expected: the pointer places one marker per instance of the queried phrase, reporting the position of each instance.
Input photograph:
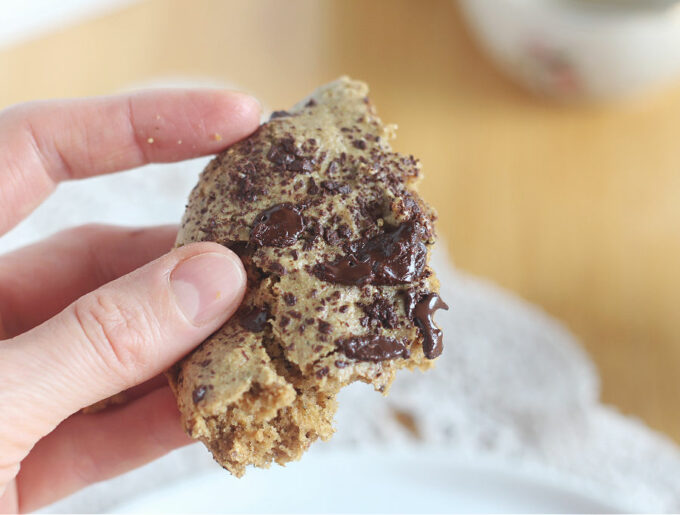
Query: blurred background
(559, 180)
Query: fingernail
(207, 286)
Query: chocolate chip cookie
(335, 242)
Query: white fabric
(511, 384)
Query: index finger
(43, 143)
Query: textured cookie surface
(335, 242)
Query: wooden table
(575, 209)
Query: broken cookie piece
(335, 242)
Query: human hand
(79, 321)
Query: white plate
(407, 481)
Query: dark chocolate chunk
(285, 154)
(324, 327)
(359, 143)
(373, 348)
(289, 299)
(423, 317)
(277, 268)
(312, 188)
(395, 256)
(278, 226)
(282, 152)
(254, 319)
(279, 114)
(347, 270)
(199, 394)
(336, 187)
(301, 164)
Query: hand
(79, 321)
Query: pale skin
(97, 310)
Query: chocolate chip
(310, 103)
(282, 152)
(279, 114)
(278, 226)
(322, 372)
(289, 299)
(333, 168)
(359, 143)
(199, 394)
(277, 268)
(373, 348)
(334, 187)
(254, 319)
(410, 301)
(284, 321)
(324, 327)
(205, 363)
(432, 335)
(331, 237)
(312, 188)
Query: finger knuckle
(121, 333)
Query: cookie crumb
(150, 141)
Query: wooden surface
(575, 209)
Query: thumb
(113, 338)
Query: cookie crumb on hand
(150, 140)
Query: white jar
(579, 49)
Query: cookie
(335, 242)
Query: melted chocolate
(347, 270)
(373, 348)
(424, 318)
(396, 256)
(278, 226)
(254, 319)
